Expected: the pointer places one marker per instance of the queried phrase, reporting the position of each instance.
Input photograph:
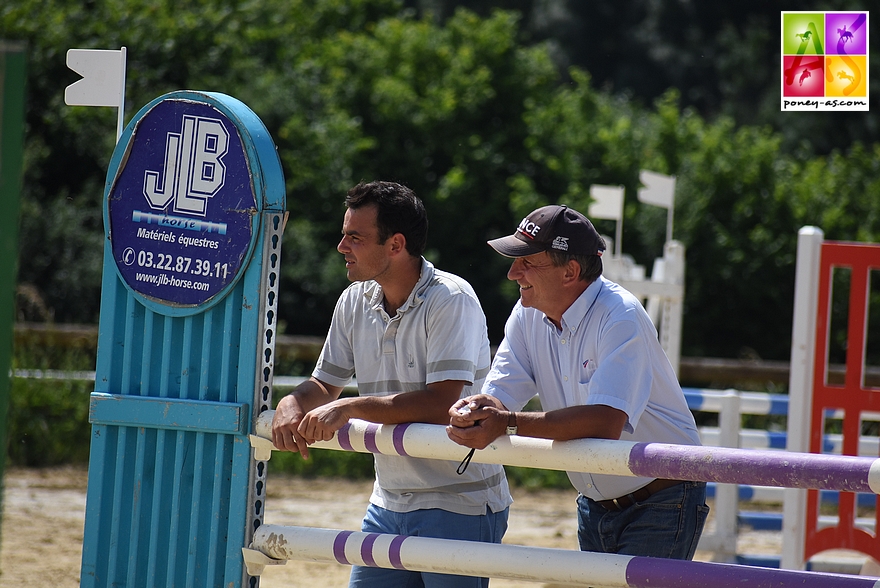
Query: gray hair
(591, 265)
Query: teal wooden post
(12, 79)
(194, 211)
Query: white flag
(607, 202)
(103, 73)
(659, 190)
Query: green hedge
(49, 425)
(49, 421)
(359, 466)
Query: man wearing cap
(588, 349)
(415, 337)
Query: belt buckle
(617, 504)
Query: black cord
(463, 466)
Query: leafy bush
(48, 422)
(324, 463)
(534, 478)
(359, 466)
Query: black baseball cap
(556, 227)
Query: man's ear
(572, 272)
(397, 243)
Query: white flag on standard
(607, 202)
(659, 190)
(103, 72)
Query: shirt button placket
(563, 365)
(389, 337)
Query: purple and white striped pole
(518, 562)
(600, 456)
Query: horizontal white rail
(516, 562)
(600, 456)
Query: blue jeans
(667, 524)
(433, 522)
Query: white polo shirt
(606, 353)
(438, 334)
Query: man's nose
(515, 271)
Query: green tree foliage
(437, 108)
(722, 57)
(484, 125)
(740, 203)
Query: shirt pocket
(586, 371)
(582, 388)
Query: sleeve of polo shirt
(456, 327)
(511, 379)
(336, 363)
(622, 379)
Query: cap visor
(512, 246)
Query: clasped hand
(293, 431)
(476, 421)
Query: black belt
(624, 502)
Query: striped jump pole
(600, 456)
(516, 562)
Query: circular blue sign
(182, 207)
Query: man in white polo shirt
(415, 338)
(588, 349)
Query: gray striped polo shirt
(438, 334)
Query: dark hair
(398, 210)
(591, 265)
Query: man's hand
(285, 436)
(293, 409)
(464, 412)
(476, 421)
(321, 423)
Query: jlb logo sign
(194, 169)
(824, 61)
(182, 205)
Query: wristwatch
(511, 423)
